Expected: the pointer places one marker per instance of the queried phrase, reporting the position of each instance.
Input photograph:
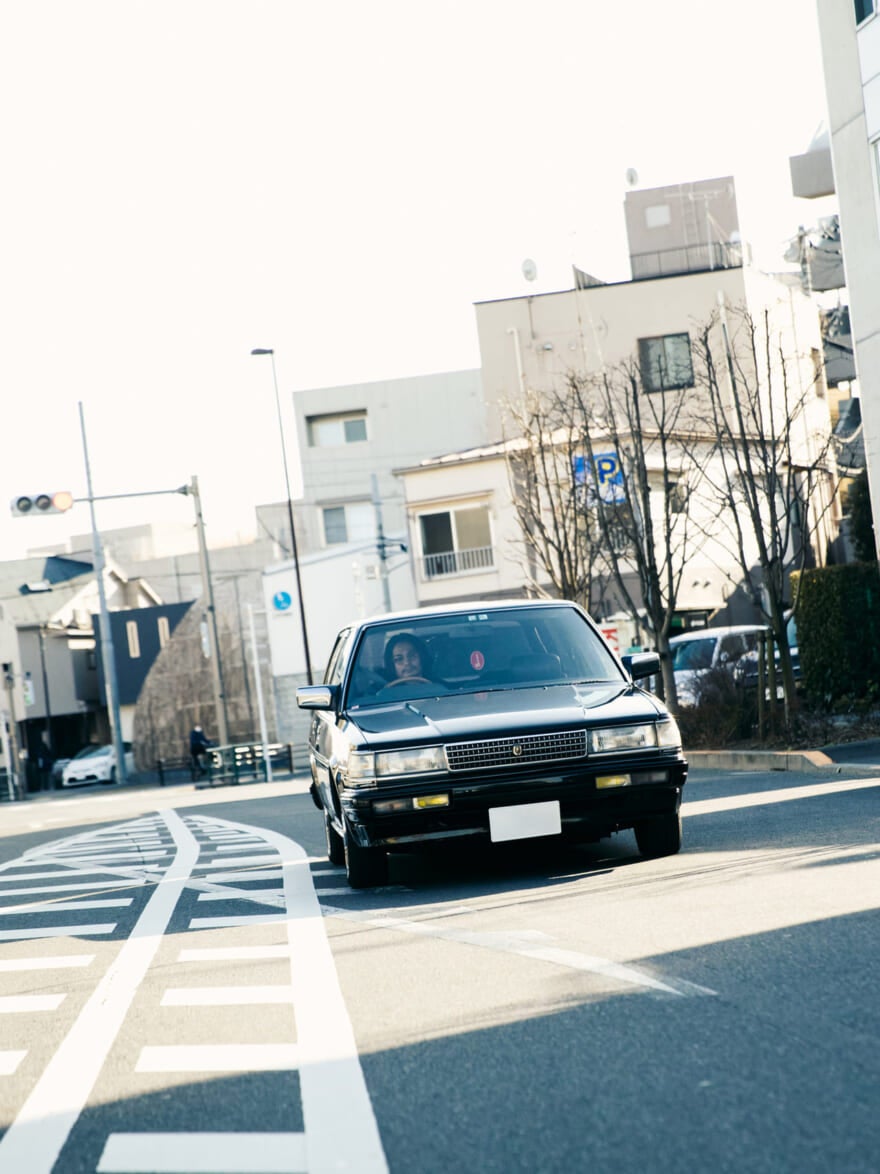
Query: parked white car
(695, 654)
(95, 764)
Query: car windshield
(693, 654)
(477, 651)
(92, 751)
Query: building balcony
(689, 259)
(456, 562)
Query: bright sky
(184, 180)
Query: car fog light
(389, 806)
(651, 776)
(604, 781)
(423, 801)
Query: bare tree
(603, 476)
(778, 477)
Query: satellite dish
(529, 269)
(632, 177)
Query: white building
(850, 36)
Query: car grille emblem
(517, 751)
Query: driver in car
(406, 660)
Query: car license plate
(525, 820)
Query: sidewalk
(864, 755)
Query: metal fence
(453, 562)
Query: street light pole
(302, 610)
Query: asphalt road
(530, 1010)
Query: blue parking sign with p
(604, 480)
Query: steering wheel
(408, 681)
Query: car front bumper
(586, 810)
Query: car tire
(335, 842)
(365, 868)
(660, 836)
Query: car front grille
(496, 752)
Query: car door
(322, 730)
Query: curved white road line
(35, 1138)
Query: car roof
(444, 609)
(702, 633)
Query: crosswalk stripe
(204, 1153)
(25, 1004)
(247, 919)
(61, 962)
(62, 906)
(56, 931)
(233, 953)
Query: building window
(455, 541)
(134, 643)
(164, 631)
(665, 362)
(342, 428)
(658, 216)
(353, 522)
(864, 9)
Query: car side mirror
(641, 664)
(317, 696)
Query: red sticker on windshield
(477, 660)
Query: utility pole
(380, 542)
(107, 655)
(210, 614)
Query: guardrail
(230, 763)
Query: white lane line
(232, 953)
(9, 1061)
(763, 798)
(56, 931)
(245, 919)
(265, 855)
(75, 888)
(34, 1139)
(329, 1065)
(25, 1004)
(60, 872)
(244, 874)
(514, 943)
(121, 857)
(239, 860)
(62, 906)
(261, 896)
(204, 1153)
(61, 962)
(226, 996)
(218, 1058)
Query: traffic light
(42, 503)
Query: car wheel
(660, 836)
(364, 867)
(335, 842)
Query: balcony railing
(689, 259)
(455, 562)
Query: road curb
(799, 760)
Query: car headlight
(363, 768)
(646, 736)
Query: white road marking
(232, 953)
(62, 906)
(262, 896)
(204, 1153)
(520, 944)
(75, 888)
(218, 1058)
(56, 931)
(762, 798)
(62, 961)
(61, 871)
(34, 1139)
(226, 996)
(243, 844)
(25, 1004)
(329, 1066)
(9, 1061)
(239, 860)
(244, 874)
(245, 919)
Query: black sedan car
(496, 721)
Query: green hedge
(838, 622)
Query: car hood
(502, 713)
